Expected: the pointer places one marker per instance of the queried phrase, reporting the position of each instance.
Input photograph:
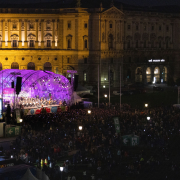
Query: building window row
(152, 44)
(145, 27)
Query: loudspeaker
(12, 84)
(75, 82)
(18, 85)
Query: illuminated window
(31, 43)
(14, 43)
(48, 43)
(85, 76)
(14, 65)
(14, 26)
(31, 26)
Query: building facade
(144, 44)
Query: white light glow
(80, 128)
(61, 169)
(156, 60)
(148, 118)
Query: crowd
(54, 136)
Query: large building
(145, 42)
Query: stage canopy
(36, 84)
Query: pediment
(113, 11)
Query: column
(36, 43)
(25, 29)
(53, 34)
(58, 33)
(20, 37)
(42, 34)
(9, 33)
(3, 33)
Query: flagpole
(120, 88)
(98, 85)
(109, 87)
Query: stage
(45, 109)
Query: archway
(14, 65)
(148, 75)
(138, 74)
(47, 66)
(31, 66)
(164, 74)
(156, 75)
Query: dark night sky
(133, 2)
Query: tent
(82, 90)
(76, 98)
(28, 176)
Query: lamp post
(105, 95)
(148, 118)
(61, 169)
(89, 111)
(80, 128)
(146, 105)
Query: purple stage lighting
(36, 84)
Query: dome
(35, 84)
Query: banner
(50, 109)
(116, 124)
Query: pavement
(8, 139)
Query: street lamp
(105, 95)
(80, 128)
(146, 105)
(61, 169)
(20, 120)
(148, 118)
(104, 86)
(89, 111)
